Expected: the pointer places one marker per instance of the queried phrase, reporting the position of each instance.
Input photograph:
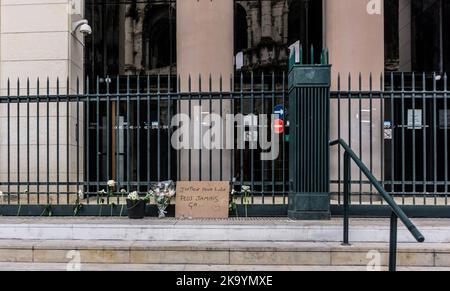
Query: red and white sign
(278, 126)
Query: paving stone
(16, 255)
(179, 257)
(279, 258)
(182, 267)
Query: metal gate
(59, 149)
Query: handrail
(394, 206)
(397, 212)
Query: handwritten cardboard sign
(206, 199)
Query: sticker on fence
(414, 118)
(387, 130)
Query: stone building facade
(192, 37)
(263, 30)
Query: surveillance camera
(85, 29)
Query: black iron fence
(400, 132)
(61, 142)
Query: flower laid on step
(233, 204)
(101, 193)
(246, 193)
(133, 196)
(111, 183)
(162, 193)
(80, 194)
(136, 205)
(122, 193)
(245, 197)
(78, 205)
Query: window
(159, 43)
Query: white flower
(80, 194)
(246, 188)
(233, 192)
(123, 191)
(102, 191)
(111, 183)
(133, 196)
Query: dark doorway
(240, 29)
(430, 35)
(159, 43)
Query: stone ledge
(261, 246)
(187, 267)
(222, 253)
(254, 230)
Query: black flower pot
(136, 209)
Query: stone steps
(123, 229)
(173, 267)
(231, 244)
(140, 254)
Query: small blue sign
(279, 111)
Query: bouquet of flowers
(136, 205)
(162, 193)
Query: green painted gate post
(309, 116)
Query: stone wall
(40, 47)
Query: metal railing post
(309, 115)
(396, 213)
(347, 189)
(393, 243)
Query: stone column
(254, 13)
(354, 35)
(285, 23)
(266, 19)
(37, 42)
(138, 30)
(205, 48)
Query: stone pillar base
(309, 206)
